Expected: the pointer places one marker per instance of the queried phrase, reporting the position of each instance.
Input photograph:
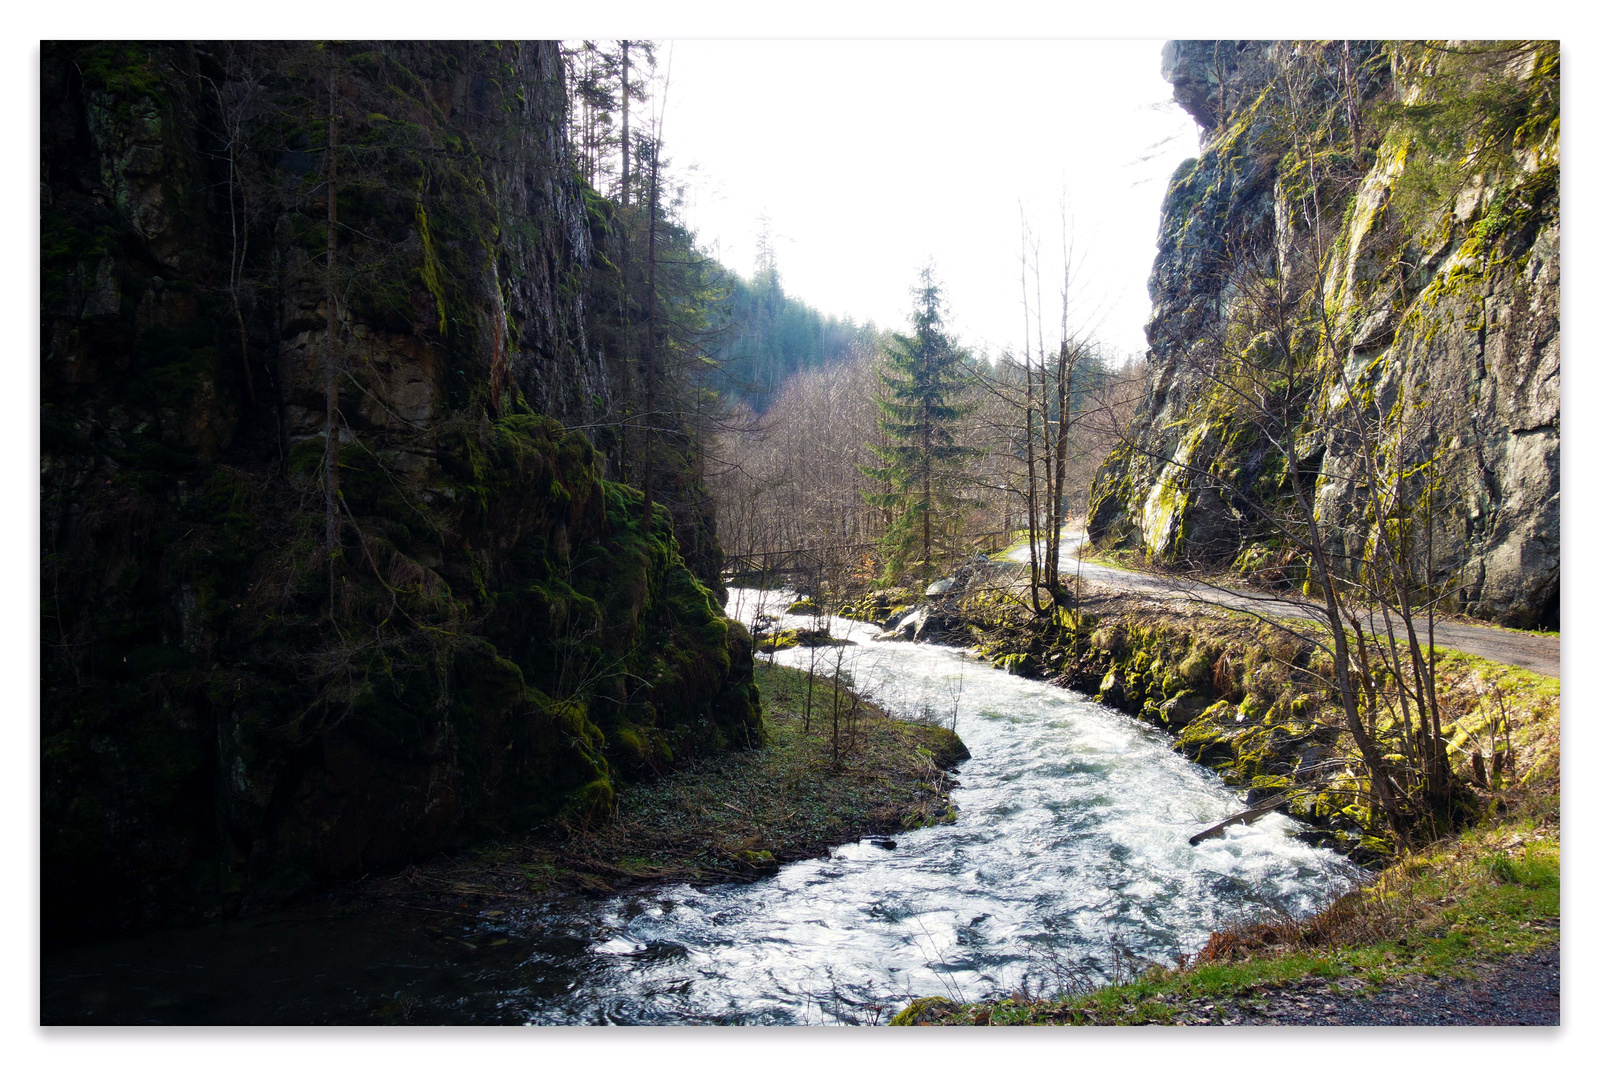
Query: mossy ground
(730, 816)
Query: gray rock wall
(1453, 305)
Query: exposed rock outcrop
(229, 715)
(1443, 295)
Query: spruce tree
(922, 464)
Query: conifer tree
(922, 463)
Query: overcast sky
(871, 156)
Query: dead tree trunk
(330, 379)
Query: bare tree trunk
(651, 334)
(1058, 514)
(1052, 531)
(1352, 100)
(1033, 482)
(330, 381)
(625, 145)
(238, 231)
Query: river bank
(420, 946)
(1466, 932)
(1452, 919)
(733, 816)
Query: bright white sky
(871, 156)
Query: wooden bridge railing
(833, 556)
(797, 560)
(992, 541)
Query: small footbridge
(796, 564)
(809, 565)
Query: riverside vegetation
(732, 816)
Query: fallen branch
(1242, 818)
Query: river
(1069, 861)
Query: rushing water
(1070, 855)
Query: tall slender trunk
(625, 145)
(239, 236)
(330, 380)
(1066, 359)
(1033, 476)
(927, 486)
(651, 336)
(1052, 532)
(1352, 100)
(1063, 402)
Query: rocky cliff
(231, 710)
(1411, 193)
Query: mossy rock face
(762, 861)
(1264, 787)
(780, 639)
(1201, 478)
(499, 638)
(1182, 709)
(1019, 663)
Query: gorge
(397, 434)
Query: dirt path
(1531, 651)
(1517, 990)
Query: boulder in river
(903, 624)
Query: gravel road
(1531, 651)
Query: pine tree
(922, 464)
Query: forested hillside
(757, 335)
(768, 336)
